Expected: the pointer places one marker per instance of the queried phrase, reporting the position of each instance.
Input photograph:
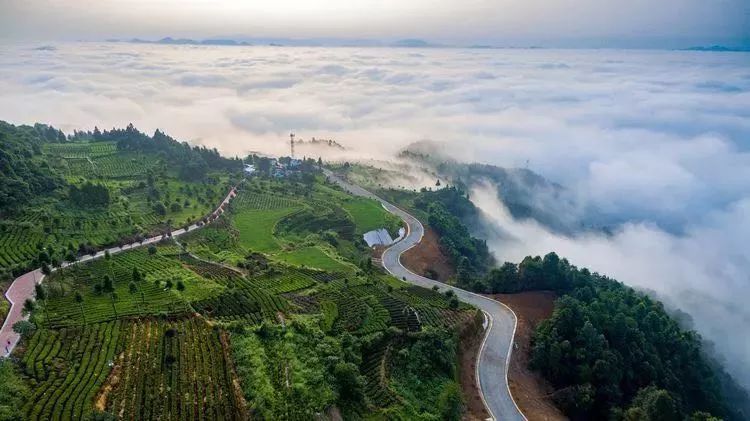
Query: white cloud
(657, 142)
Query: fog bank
(656, 142)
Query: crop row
(210, 270)
(359, 308)
(288, 281)
(149, 297)
(68, 367)
(251, 302)
(375, 365)
(116, 166)
(80, 149)
(176, 370)
(251, 200)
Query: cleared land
(427, 259)
(530, 391)
(256, 228)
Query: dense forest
(609, 351)
(21, 176)
(614, 353)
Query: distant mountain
(527, 194)
(413, 43)
(185, 41)
(718, 48)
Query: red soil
(530, 391)
(427, 257)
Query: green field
(312, 257)
(256, 228)
(369, 215)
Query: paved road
(22, 287)
(494, 354)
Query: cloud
(653, 144)
(703, 272)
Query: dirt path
(530, 391)
(22, 287)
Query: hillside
(272, 311)
(608, 351)
(66, 196)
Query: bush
(24, 328)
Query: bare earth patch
(427, 259)
(468, 349)
(530, 391)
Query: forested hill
(193, 161)
(62, 196)
(25, 173)
(614, 353)
(21, 175)
(525, 193)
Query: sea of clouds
(657, 140)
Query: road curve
(22, 287)
(494, 354)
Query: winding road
(494, 354)
(22, 287)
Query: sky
(549, 23)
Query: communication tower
(291, 143)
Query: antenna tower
(291, 143)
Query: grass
(256, 228)
(369, 215)
(312, 257)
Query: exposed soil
(468, 349)
(530, 391)
(112, 380)
(427, 259)
(239, 395)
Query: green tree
(657, 404)
(40, 293)
(79, 300)
(349, 383)
(24, 328)
(13, 392)
(109, 288)
(450, 403)
(28, 307)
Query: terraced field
(174, 370)
(244, 319)
(67, 367)
(151, 296)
